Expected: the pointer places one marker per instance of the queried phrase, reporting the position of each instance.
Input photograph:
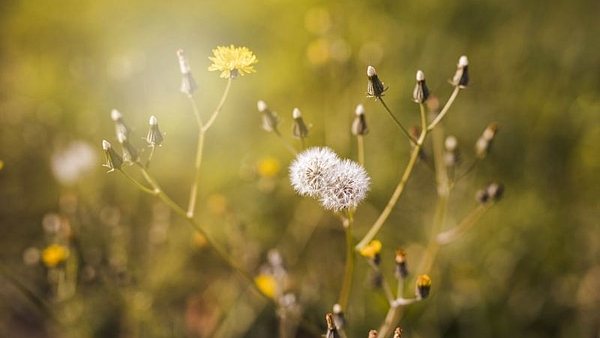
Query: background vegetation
(530, 268)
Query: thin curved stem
(445, 109)
(349, 268)
(219, 106)
(410, 137)
(287, 145)
(453, 234)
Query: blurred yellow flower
(268, 167)
(54, 254)
(371, 250)
(266, 284)
(232, 61)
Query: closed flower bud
(492, 192)
(359, 125)
(401, 270)
(423, 287)
(120, 126)
(113, 160)
(373, 334)
(397, 333)
(270, 122)
(339, 320)
(332, 331)
(130, 152)
(461, 77)
(421, 92)
(188, 84)
(154, 137)
(299, 128)
(375, 87)
(484, 143)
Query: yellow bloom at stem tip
(266, 284)
(232, 61)
(54, 254)
(371, 250)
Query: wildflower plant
(339, 185)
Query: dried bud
(484, 143)
(113, 160)
(188, 84)
(423, 287)
(120, 126)
(398, 333)
(461, 77)
(421, 92)
(299, 128)
(154, 137)
(339, 320)
(375, 87)
(270, 122)
(332, 331)
(359, 125)
(401, 269)
(130, 152)
(451, 156)
(492, 191)
(373, 334)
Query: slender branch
(410, 137)
(287, 145)
(396, 195)
(453, 234)
(219, 106)
(445, 109)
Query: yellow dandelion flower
(266, 284)
(371, 250)
(268, 167)
(233, 61)
(54, 254)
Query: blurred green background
(530, 268)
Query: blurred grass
(527, 270)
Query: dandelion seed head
(311, 172)
(348, 187)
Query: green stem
(287, 145)
(396, 195)
(410, 137)
(453, 234)
(361, 150)
(349, 269)
(445, 109)
(203, 128)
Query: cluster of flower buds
(484, 143)
(492, 192)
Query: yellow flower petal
(232, 61)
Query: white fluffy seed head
(420, 75)
(463, 61)
(311, 171)
(348, 187)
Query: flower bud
(130, 152)
(359, 125)
(188, 84)
(375, 87)
(421, 92)
(401, 270)
(451, 156)
(373, 334)
(120, 126)
(299, 128)
(484, 143)
(113, 160)
(339, 320)
(461, 77)
(332, 331)
(397, 333)
(423, 287)
(154, 137)
(372, 251)
(270, 122)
